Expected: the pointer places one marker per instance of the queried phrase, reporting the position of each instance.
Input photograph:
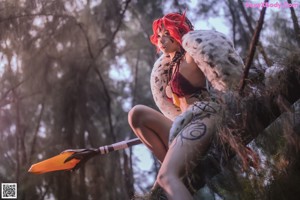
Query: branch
(136, 77)
(134, 12)
(232, 13)
(109, 41)
(18, 127)
(261, 49)
(253, 45)
(32, 151)
(117, 29)
(21, 98)
(10, 90)
(106, 92)
(87, 41)
(108, 103)
(36, 15)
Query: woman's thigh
(190, 144)
(145, 117)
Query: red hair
(177, 25)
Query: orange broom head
(55, 163)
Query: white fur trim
(215, 55)
(158, 81)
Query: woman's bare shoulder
(190, 62)
(189, 59)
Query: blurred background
(70, 70)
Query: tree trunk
(232, 13)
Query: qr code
(9, 190)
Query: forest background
(70, 70)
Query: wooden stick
(119, 145)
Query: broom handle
(119, 145)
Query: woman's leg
(152, 128)
(187, 148)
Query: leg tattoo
(193, 127)
(194, 131)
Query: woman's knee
(166, 178)
(136, 115)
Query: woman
(186, 89)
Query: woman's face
(166, 43)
